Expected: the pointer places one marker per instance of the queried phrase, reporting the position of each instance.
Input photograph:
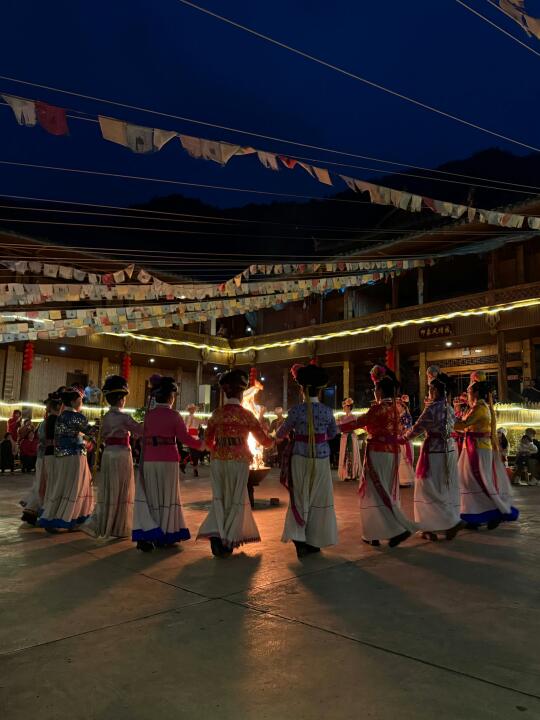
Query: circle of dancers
(460, 479)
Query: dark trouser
(28, 463)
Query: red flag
(51, 118)
(288, 162)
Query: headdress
(405, 399)
(72, 393)
(377, 373)
(115, 387)
(190, 407)
(311, 376)
(477, 376)
(348, 402)
(234, 380)
(295, 368)
(433, 370)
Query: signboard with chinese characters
(428, 332)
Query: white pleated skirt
(437, 497)
(477, 507)
(68, 495)
(377, 521)
(314, 500)
(158, 515)
(349, 460)
(113, 513)
(406, 468)
(32, 502)
(230, 517)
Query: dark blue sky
(163, 55)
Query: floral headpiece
(377, 373)
(347, 402)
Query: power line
(250, 133)
(502, 185)
(354, 76)
(498, 27)
(166, 230)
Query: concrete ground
(426, 631)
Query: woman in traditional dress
(436, 491)
(68, 496)
(311, 519)
(33, 502)
(349, 448)
(381, 517)
(113, 513)
(406, 461)
(158, 519)
(485, 488)
(230, 522)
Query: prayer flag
(24, 110)
(52, 119)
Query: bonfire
(249, 403)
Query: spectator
(525, 455)
(503, 445)
(25, 430)
(28, 448)
(7, 458)
(532, 393)
(14, 423)
(92, 393)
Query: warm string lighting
(478, 312)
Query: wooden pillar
(501, 372)
(285, 397)
(520, 264)
(396, 361)
(527, 356)
(422, 367)
(103, 371)
(420, 286)
(346, 378)
(179, 374)
(213, 326)
(198, 376)
(395, 292)
(25, 386)
(492, 270)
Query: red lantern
(28, 356)
(390, 359)
(126, 366)
(252, 376)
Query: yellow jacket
(478, 420)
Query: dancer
(113, 513)
(406, 460)
(33, 502)
(14, 423)
(436, 492)
(158, 519)
(193, 425)
(485, 487)
(381, 517)
(230, 522)
(68, 496)
(349, 448)
(311, 519)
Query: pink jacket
(163, 426)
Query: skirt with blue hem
(490, 516)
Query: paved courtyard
(422, 632)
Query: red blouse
(382, 424)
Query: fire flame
(248, 402)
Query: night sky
(169, 57)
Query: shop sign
(427, 332)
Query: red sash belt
(379, 443)
(193, 431)
(117, 441)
